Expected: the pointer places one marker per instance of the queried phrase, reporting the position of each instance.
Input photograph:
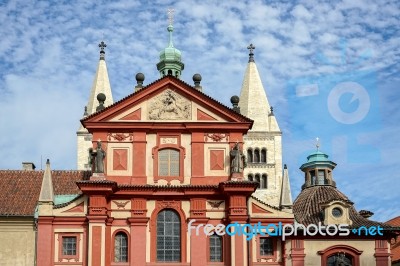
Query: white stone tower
(101, 84)
(263, 143)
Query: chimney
(28, 166)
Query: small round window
(337, 212)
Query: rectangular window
(321, 177)
(266, 247)
(168, 162)
(69, 245)
(216, 248)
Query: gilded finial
(251, 48)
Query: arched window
(249, 155)
(257, 179)
(250, 177)
(168, 236)
(340, 255)
(256, 156)
(313, 178)
(340, 259)
(216, 248)
(168, 162)
(263, 155)
(263, 181)
(121, 247)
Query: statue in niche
(238, 160)
(97, 158)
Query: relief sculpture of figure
(97, 158)
(238, 160)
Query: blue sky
(330, 70)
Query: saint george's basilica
(168, 157)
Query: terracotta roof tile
(307, 207)
(20, 189)
(395, 247)
(394, 222)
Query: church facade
(170, 176)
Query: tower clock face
(337, 212)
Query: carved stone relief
(120, 136)
(169, 106)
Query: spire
(170, 58)
(253, 99)
(46, 192)
(101, 83)
(286, 195)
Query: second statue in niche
(97, 158)
(238, 160)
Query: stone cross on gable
(251, 47)
(170, 12)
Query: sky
(330, 70)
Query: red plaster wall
(96, 246)
(45, 242)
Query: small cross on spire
(102, 45)
(251, 47)
(170, 12)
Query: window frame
(263, 154)
(256, 156)
(170, 161)
(61, 255)
(274, 248)
(113, 262)
(250, 177)
(180, 236)
(264, 181)
(250, 155)
(326, 253)
(257, 178)
(161, 146)
(162, 205)
(209, 249)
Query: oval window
(337, 212)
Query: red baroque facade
(167, 148)
(166, 171)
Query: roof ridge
(263, 202)
(58, 206)
(172, 78)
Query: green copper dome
(170, 59)
(318, 158)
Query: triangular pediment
(167, 100)
(259, 209)
(76, 207)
